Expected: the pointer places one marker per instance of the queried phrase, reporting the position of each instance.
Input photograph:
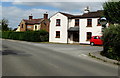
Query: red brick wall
(24, 26)
(45, 25)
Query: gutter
(67, 28)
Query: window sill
(76, 25)
(88, 40)
(57, 25)
(99, 25)
(57, 37)
(88, 26)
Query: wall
(71, 23)
(96, 30)
(18, 29)
(45, 25)
(38, 27)
(62, 28)
(24, 26)
(31, 27)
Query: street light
(103, 22)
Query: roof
(76, 28)
(33, 21)
(90, 14)
(66, 14)
(85, 15)
(93, 14)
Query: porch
(73, 34)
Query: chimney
(86, 10)
(30, 17)
(46, 15)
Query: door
(76, 36)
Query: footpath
(98, 56)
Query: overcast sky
(16, 10)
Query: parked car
(96, 40)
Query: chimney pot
(30, 17)
(45, 15)
(86, 10)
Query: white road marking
(83, 55)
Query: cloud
(15, 14)
(0, 11)
(65, 6)
(54, 0)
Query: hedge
(111, 46)
(33, 36)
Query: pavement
(98, 56)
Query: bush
(111, 38)
(34, 36)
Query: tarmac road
(39, 59)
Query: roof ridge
(67, 14)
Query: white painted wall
(71, 23)
(38, 27)
(62, 28)
(18, 29)
(96, 30)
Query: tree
(4, 25)
(111, 38)
(112, 12)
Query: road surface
(21, 58)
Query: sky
(16, 10)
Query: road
(21, 58)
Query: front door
(76, 36)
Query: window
(29, 27)
(89, 22)
(57, 22)
(96, 37)
(22, 26)
(76, 22)
(35, 27)
(98, 24)
(89, 35)
(57, 34)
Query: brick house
(35, 24)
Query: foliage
(112, 11)
(33, 36)
(4, 25)
(111, 38)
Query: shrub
(34, 36)
(111, 38)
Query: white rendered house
(67, 28)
